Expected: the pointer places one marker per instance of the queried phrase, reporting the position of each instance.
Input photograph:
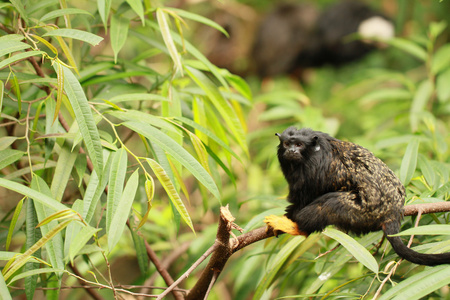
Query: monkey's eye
(298, 145)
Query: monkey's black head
(298, 144)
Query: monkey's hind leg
(336, 208)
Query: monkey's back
(379, 194)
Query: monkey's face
(297, 145)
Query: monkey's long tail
(411, 255)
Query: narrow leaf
(9, 156)
(409, 47)
(138, 8)
(355, 248)
(167, 37)
(4, 292)
(434, 229)
(80, 240)
(104, 7)
(7, 47)
(16, 88)
(171, 191)
(149, 192)
(37, 196)
(420, 284)
(116, 180)
(63, 12)
(122, 212)
(85, 119)
(81, 35)
(13, 223)
(119, 33)
(177, 152)
(409, 161)
(19, 56)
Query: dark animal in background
(332, 182)
(282, 35)
(296, 36)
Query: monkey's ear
(317, 145)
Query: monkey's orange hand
(283, 224)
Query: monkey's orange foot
(283, 224)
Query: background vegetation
(120, 140)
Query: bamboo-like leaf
(116, 180)
(81, 35)
(45, 42)
(19, 56)
(225, 110)
(7, 47)
(4, 292)
(63, 169)
(36, 272)
(33, 235)
(441, 59)
(37, 196)
(409, 161)
(276, 264)
(80, 240)
(104, 7)
(85, 119)
(19, 6)
(63, 12)
(13, 223)
(200, 150)
(420, 284)
(141, 252)
(355, 248)
(177, 152)
(68, 53)
(409, 46)
(167, 37)
(171, 191)
(138, 8)
(9, 156)
(16, 88)
(179, 180)
(137, 97)
(22, 259)
(200, 19)
(2, 90)
(119, 33)
(149, 192)
(122, 212)
(421, 98)
(434, 229)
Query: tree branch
(225, 249)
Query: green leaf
(116, 180)
(2, 90)
(355, 248)
(22, 259)
(168, 40)
(200, 19)
(62, 12)
(409, 161)
(171, 191)
(224, 108)
(85, 119)
(5, 142)
(276, 264)
(442, 86)
(63, 169)
(36, 272)
(81, 35)
(119, 33)
(4, 292)
(104, 7)
(138, 8)
(421, 98)
(13, 223)
(80, 240)
(37, 196)
(441, 59)
(141, 252)
(434, 229)
(19, 6)
(122, 212)
(9, 156)
(420, 284)
(137, 97)
(33, 235)
(177, 152)
(19, 56)
(409, 47)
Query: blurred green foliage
(116, 130)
